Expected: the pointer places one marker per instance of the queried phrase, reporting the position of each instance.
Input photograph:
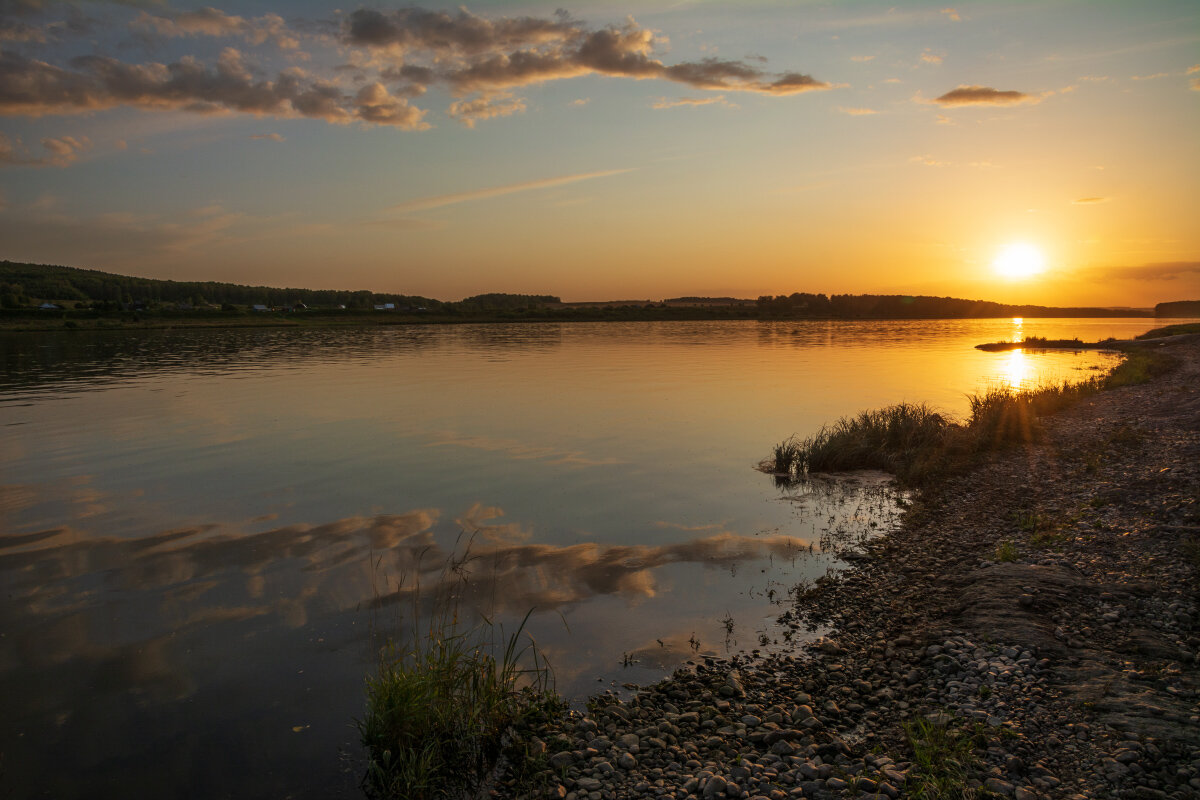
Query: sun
(1019, 261)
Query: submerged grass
(443, 708)
(919, 444)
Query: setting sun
(1019, 261)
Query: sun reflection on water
(1017, 371)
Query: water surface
(202, 532)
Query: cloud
(472, 54)
(502, 104)
(580, 102)
(930, 57)
(1193, 69)
(942, 119)
(35, 88)
(857, 112)
(13, 31)
(1149, 77)
(274, 137)
(60, 151)
(439, 201)
(391, 57)
(984, 95)
(1161, 271)
(952, 14)
(862, 59)
(1090, 201)
(928, 161)
(664, 103)
(214, 22)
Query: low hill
(1181, 308)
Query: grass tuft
(441, 710)
(1006, 552)
(943, 761)
(891, 439)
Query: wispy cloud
(862, 59)
(664, 102)
(1160, 271)
(857, 112)
(928, 161)
(983, 95)
(59, 151)
(442, 200)
(273, 137)
(1090, 201)
(952, 14)
(1155, 76)
(501, 104)
(930, 57)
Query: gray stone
(998, 786)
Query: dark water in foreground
(200, 530)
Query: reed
(891, 439)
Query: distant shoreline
(87, 320)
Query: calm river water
(205, 534)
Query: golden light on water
(1017, 370)
(1019, 261)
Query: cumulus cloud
(59, 152)
(472, 54)
(35, 88)
(392, 57)
(666, 102)
(1090, 201)
(984, 95)
(857, 112)
(438, 201)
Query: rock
(715, 787)
(626, 761)
(562, 760)
(998, 786)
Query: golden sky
(610, 150)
